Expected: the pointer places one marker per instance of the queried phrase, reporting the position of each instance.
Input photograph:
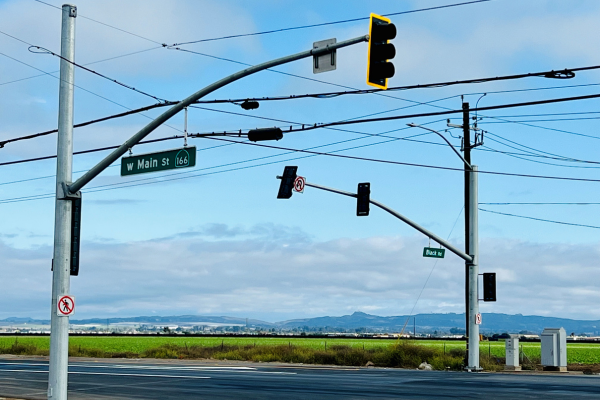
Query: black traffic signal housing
(287, 182)
(363, 195)
(250, 105)
(258, 135)
(489, 286)
(379, 69)
(75, 234)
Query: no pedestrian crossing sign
(65, 305)
(433, 252)
(161, 161)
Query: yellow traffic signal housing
(379, 69)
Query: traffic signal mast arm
(164, 117)
(401, 217)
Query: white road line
(133, 366)
(120, 374)
(160, 367)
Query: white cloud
(250, 272)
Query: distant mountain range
(424, 323)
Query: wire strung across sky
(279, 29)
(43, 50)
(327, 23)
(551, 73)
(540, 219)
(164, 45)
(315, 126)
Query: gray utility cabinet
(512, 352)
(554, 347)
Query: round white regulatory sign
(66, 305)
(299, 183)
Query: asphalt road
(143, 379)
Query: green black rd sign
(433, 252)
(161, 161)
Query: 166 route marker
(66, 305)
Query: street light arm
(145, 131)
(446, 140)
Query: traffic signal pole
(65, 190)
(401, 217)
(61, 265)
(164, 117)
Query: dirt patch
(585, 368)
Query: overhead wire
(406, 163)
(46, 51)
(105, 24)
(540, 219)
(90, 63)
(352, 121)
(528, 148)
(326, 23)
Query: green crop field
(584, 353)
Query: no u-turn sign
(65, 306)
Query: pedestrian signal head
(379, 69)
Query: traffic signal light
(489, 286)
(75, 234)
(379, 69)
(256, 135)
(287, 182)
(362, 199)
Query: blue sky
(219, 242)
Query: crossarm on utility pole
(401, 217)
(145, 131)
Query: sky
(215, 240)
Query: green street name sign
(433, 252)
(161, 161)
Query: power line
(432, 114)
(540, 162)
(77, 172)
(90, 63)
(56, 77)
(536, 150)
(405, 163)
(310, 154)
(345, 122)
(325, 23)
(46, 51)
(541, 120)
(546, 115)
(540, 219)
(102, 23)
